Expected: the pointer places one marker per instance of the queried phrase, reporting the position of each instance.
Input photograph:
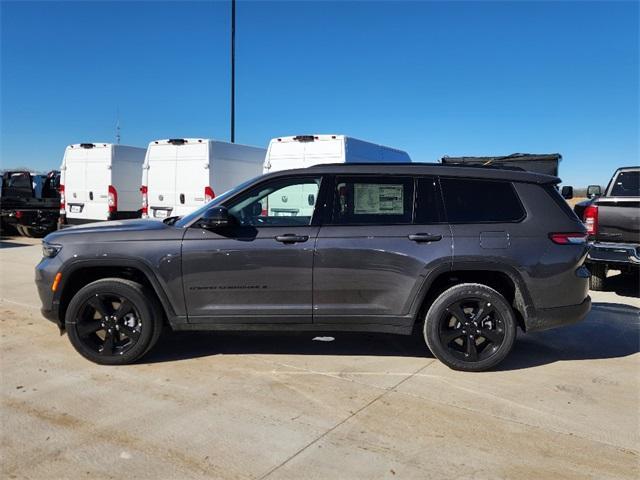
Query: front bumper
(612, 253)
(547, 318)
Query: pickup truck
(30, 203)
(613, 225)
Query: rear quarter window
(481, 201)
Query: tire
(131, 312)
(470, 327)
(598, 278)
(23, 231)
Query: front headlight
(50, 250)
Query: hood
(112, 229)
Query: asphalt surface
(565, 404)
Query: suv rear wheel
(470, 327)
(113, 321)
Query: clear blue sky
(433, 78)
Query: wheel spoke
(109, 343)
(483, 310)
(103, 308)
(131, 333)
(471, 350)
(449, 335)
(125, 307)
(492, 335)
(457, 312)
(87, 327)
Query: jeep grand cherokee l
(463, 256)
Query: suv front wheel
(470, 327)
(113, 321)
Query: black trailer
(540, 163)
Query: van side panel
(126, 175)
(233, 164)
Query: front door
(259, 269)
(374, 253)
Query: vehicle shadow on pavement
(8, 244)
(185, 345)
(611, 330)
(625, 285)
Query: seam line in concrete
(476, 412)
(342, 422)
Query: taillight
(145, 200)
(18, 214)
(591, 219)
(62, 200)
(112, 199)
(576, 238)
(208, 194)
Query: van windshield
(187, 219)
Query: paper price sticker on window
(372, 199)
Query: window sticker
(381, 199)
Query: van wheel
(470, 327)
(598, 277)
(113, 321)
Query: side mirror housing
(215, 217)
(567, 192)
(594, 191)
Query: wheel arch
(503, 278)
(83, 272)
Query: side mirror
(215, 217)
(594, 191)
(567, 192)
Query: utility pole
(233, 71)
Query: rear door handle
(291, 238)
(424, 237)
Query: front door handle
(425, 237)
(291, 238)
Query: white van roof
(327, 137)
(178, 141)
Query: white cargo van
(302, 151)
(100, 181)
(181, 174)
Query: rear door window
(372, 201)
(481, 201)
(626, 184)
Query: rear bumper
(547, 318)
(612, 253)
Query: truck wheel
(470, 327)
(24, 231)
(598, 277)
(113, 321)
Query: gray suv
(461, 255)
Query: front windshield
(187, 219)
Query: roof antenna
(118, 125)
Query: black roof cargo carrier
(532, 162)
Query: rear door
(161, 180)
(376, 247)
(192, 176)
(97, 173)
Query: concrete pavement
(565, 404)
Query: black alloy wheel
(470, 327)
(113, 321)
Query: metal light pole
(233, 71)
